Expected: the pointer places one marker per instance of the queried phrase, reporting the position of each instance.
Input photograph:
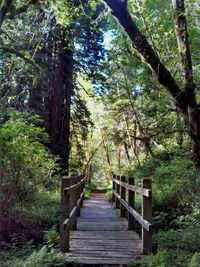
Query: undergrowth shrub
(173, 180)
(43, 257)
(51, 237)
(25, 165)
(195, 260)
(164, 258)
(109, 195)
(187, 239)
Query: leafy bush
(161, 259)
(93, 184)
(88, 193)
(195, 261)
(25, 164)
(173, 181)
(109, 195)
(16, 249)
(187, 239)
(32, 219)
(173, 178)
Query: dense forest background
(97, 87)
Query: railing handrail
(119, 196)
(136, 189)
(72, 195)
(147, 225)
(71, 188)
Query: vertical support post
(113, 187)
(78, 195)
(73, 225)
(82, 189)
(131, 203)
(64, 214)
(117, 190)
(123, 196)
(147, 215)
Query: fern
(195, 261)
(195, 217)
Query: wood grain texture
(102, 237)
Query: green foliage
(88, 193)
(195, 261)
(194, 218)
(109, 195)
(16, 249)
(25, 164)
(161, 259)
(90, 187)
(93, 184)
(173, 177)
(52, 237)
(187, 239)
(41, 258)
(164, 258)
(45, 207)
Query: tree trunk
(4, 223)
(127, 152)
(59, 107)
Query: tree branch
(148, 55)
(94, 152)
(20, 54)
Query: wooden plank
(105, 234)
(102, 236)
(104, 261)
(93, 227)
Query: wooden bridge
(102, 233)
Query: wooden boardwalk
(102, 237)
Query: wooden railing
(124, 197)
(72, 194)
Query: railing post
(147, 215)
(82, 189)
(131, 203)
(64, 214)
(117, 190)
(78, 195)
(113, 187)
(73, 225)
(123, 196)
